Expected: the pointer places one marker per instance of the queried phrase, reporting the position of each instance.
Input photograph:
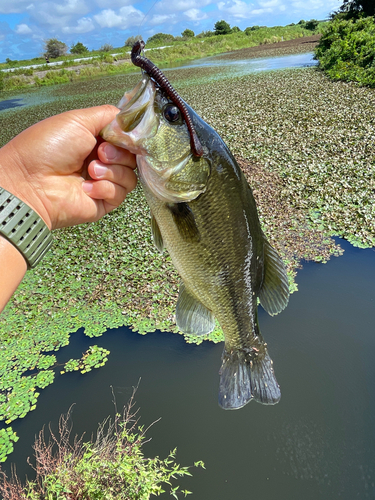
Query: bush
(188, 33)
(222, 28)
(346, 50)
(113, 467)
(160, 39)
(311, 25)
(78, 48)
(107, 47)
(54, 48)
(132, 39)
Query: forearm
(12, 269)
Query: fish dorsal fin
(191, 315)
(274, 294)
(185, 221)
(156, 235)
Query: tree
(54, 48)
(107, 47)
(132, 39)
(222, 28)
(312, 24)
(236, 29)
(78, 48)
(188, 33)
(355, 7)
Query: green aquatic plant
(7, 438)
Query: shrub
(311, 25)
(222, 28)
(160, 38)
(107, 47)
(78, 48)
(346, 50)
(188, 33)
(132, 39)
(54, 48)
(112, 467)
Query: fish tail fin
(245, 376)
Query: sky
(25, 25)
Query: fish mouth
(136, 118)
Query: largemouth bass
(203, 212)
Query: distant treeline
(346, 50)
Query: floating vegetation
(7, 438)
(94, 357)
(305, 143)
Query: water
(246, 66)
(228, 68)
(317, 443)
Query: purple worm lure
(157, 75)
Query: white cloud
(314, 5)
(162, 18)
(15, 6)
(235, 8)
(75, 7)
(84, 25)
(242, 10)
(195, 14)
(127, 16)
(23, 29)
(181, 5)
(112, 4)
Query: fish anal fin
(185, 221)
(245, 377)
(156, 235)
(191, 315)
(274, 293)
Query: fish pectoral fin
(191, 315)
(244, 377)
(156, 235)
(185, 222)
(274, 294)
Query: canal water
(317, 443)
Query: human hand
(63, 170)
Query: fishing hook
(155, 73)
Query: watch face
(23, 227)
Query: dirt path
(296, 46)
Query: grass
(304, 142)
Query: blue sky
(26, 24)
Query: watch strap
(24, 228)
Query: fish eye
(172, 113)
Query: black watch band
(23, 227)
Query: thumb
(96, 118)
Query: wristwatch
(23, 227)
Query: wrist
(23, 228)
(15, 179)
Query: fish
(204, 213)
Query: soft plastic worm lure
(156, 74)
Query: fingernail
(99, 170)
(87, 186)
(110, 151)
